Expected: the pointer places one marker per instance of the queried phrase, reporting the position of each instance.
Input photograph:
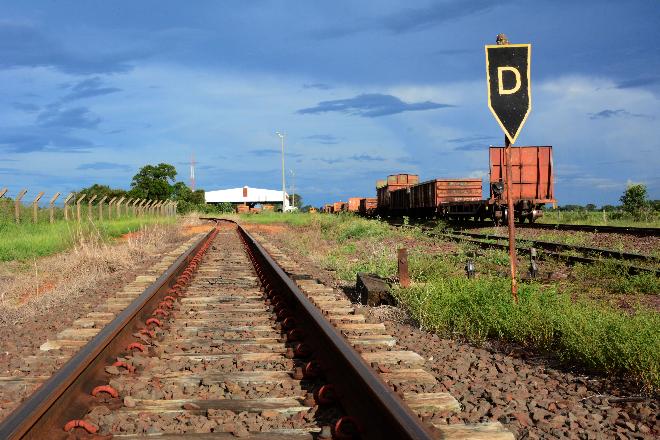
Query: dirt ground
(530, 393)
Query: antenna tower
(192, 172)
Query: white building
(248, 196)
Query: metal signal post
(510, 217)
(509, 99)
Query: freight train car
(394, 182)
(368, 206)
(354, 204)
(462, 199)
(338, 207)
(445, 196)
(532, 183)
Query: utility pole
(283, 180)
(293, 188)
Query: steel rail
(363, 395)
(629, 230)
(65, 396)
(572, 259)
(626, 230)
(554, 246)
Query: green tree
(99, 191)
(153, 182)
(297, 198)
(634, 199)
(188, 199)
(590, 207)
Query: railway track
(560, 251)
(570, 253)
(624, 230)
(224, 344)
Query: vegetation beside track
(599, 218)
(28, 240)
(551, 317)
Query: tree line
(634, 202)
(158, 182)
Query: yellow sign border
(529, 87)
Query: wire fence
(77, 207)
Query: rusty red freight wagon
(394, 182)
(432, 195)
(368, 206)
(354, 204)
(338, 207)
(531, 178)
(400, 200)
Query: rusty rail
(64, 396)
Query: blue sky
(92, 90)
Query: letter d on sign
(500, 80)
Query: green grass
(266, 217)
(598, 338)
(580, 332)
(596, 218)
(616, 279)
(29, 240)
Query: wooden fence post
(127, 206)
(402, 263)
(3, 191)
(51, 207)
(35, 207)
(89, 207)
(118, 204)
(66, 206)
(110, 207)
(101, 207)
(17, 205)
(78, 216)
(135, 202)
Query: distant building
(247, 196)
